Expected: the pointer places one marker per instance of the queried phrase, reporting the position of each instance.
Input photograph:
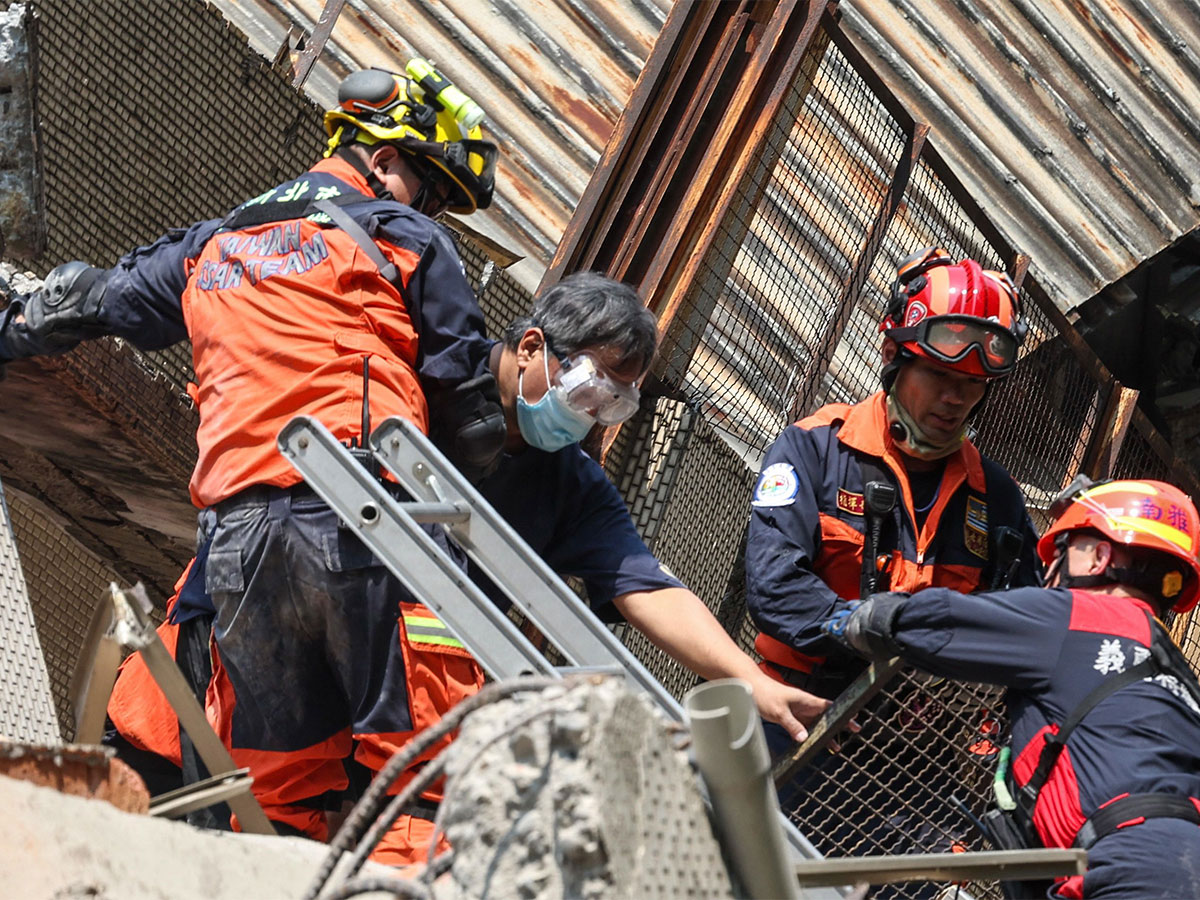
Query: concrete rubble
(58, 847)
(577, 791)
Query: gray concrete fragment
(575, 792)
(56, 847)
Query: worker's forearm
(678, 623)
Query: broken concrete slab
(59, 847)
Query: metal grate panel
(26, 703)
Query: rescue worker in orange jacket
(895, 474)
(286, 300)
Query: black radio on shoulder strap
(1013, 829)
(879, 499)
(1006, 556)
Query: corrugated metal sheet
(1076, 123)
(553, 76)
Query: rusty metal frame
(697, 120)
(1109, 433)
(832, 334)
(316, 41)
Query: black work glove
(866, 626)
(65, 311)
(8, 315)
(467, 424)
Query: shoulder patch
(975, 528)
(850, 502)
(777, 486)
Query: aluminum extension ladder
(390, 528)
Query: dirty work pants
(318, 650)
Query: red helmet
(1141, 515)
(958, 315)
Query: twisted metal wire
(369, 805)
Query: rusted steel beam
(676, 169)
(652, 101)
(827, 343)
(1019, 268)
(696, 122)
(1110, 431)
(316, 41)
(721, 162)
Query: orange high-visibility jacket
(282, 313)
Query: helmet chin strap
(909, 437)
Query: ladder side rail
(509, 561)
(420, 488)
(382, 524)
(561, 615)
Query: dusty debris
(575, 791)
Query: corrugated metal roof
(1076, 123)
(553, 76)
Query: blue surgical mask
(550, 424)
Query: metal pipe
(731, 753)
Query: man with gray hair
(575, 362)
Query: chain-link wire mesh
(66, 583)
(155, 114)
(776, 329)
(26, 701)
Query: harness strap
(1133, 809)
(1056, 741)
(1164, 658)
(346, 222)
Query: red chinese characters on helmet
(1140, 515)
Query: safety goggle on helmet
(1141, 515)
(426, 116)
(586, 385)
(960, 315)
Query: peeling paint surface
(553, 76)
(1075, 123)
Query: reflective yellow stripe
(1160, 530)
(432, 639)
(423, 622)
(1133, 487)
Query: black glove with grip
(467, 424)
(867, 626)
(64, 312)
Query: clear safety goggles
(950, 338)
(586, 386)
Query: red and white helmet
(1143, 516)
(959, 315)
